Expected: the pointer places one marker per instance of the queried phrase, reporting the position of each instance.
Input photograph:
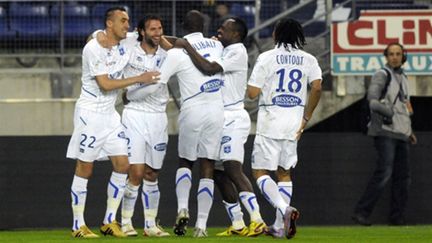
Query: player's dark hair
(404, 52)
(289, 31)
(142, 24)
(240, 27)
(193, 21)
(110, 12)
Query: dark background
(35, 180)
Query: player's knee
(150, 174)
(84, 169)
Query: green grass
(332, 234)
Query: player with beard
(146, 125)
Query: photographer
(390, 126)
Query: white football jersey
(139, 63)
(99, 61)
(195, 87)
(234, 62)
(283, 74)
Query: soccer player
(200, 122)
(98, 132)
(146, 128)
(234, 66)
(280, 78)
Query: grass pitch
(332, 234)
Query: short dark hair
(240, 27)
(142, 23)
(289, 31)
(109, 12)
(193, 21)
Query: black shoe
(360, 219)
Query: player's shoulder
(92, 46)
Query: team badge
(227, 149)
(121, 51)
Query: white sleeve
(232, 62)
(96, 60)
(258, 76)
(169, 66)
(314, 71)
(141, 92)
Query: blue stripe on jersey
(231, 122)
(190, 97)
(83, 121)
(89, 92)
(235, 103)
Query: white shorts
(96, 136)
(234, 135)
(270, 153)
(200, 131)
(148, 136)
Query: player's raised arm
(206, 67)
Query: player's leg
(115, 192)
(150, 199)
(204, 196)
(83, 171)
(234, 171)
(136, 173)
(285, 189)
(231, 203)
(265, 157)
(183, 184)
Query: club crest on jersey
(225, 139)
(121, 51)
(227, 149)
(211, 86)
(286, 100)
(160, 147)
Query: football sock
(128, 203)
(249, 201)
(205, 201)
(150, 198)
(183, 186)
(235, 214)
(115, 191)
(270, 191)
(79, 195)
(285, 189)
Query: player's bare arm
(314, 97)
(167, 42)
(206, 67)
(107, 84)
(253, 92)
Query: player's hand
(180, 43)
(102, 39)
(149, 77)
(413, 139)
(301, 129)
